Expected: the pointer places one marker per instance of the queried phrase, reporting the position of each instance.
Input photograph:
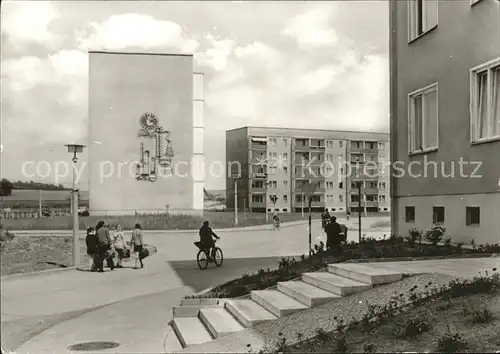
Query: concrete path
(55, 309)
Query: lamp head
(75, 148)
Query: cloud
(134, 30)
(217, 53)
(29, 21)
(311, 29)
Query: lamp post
(308, 189)
(75, 149)
(359, 183)
(236, 177)
(266, 184)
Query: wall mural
(149, 164)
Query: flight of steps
(198, 321)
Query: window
(472, 215)
(257, 184)
(381, 198)
(273, 169)
(273, 155)
(273, 184)
(257, 198)
(382, 185)
(410, 214)
(341, 198)
(341, 185)
(285, 210)
(341, 144)
(423, 123)
(381, 146)
(285, 156)
(372, 184)
(485, 98)
(355, 144)
(438, 215)
(371, 198)
(370, 145)
(298, 198)
(422, 17)
(285, 198)
(355, 198)
(316, 199)
(285, 169)
(285, 141)
(329, 198)
(329, 144)
(272, 141)
(329, 185)
(329, 157)
(285, 183)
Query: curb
(36, 273)
(247, 228)
(409, 259)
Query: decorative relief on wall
(161, 160)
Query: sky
(279, 64)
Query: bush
(415, 235)
(450, 343)
(481, 314)
(435, 234)
(411, 328)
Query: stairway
(198, 321)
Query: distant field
(22, 195)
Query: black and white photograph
(250, 176)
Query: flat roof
(307, 129)
(139, 53)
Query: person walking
(91, 241)
(137, 245)
(119, 245)
(103, 245)
(333, 237)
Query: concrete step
(276, 302)
(190, 331)
(172, 343)
(365, 274)
(307, 294)
(334, 283)
(248, 312)
(189, 311)
(219, 321)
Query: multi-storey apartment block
(445, 117)
(275, 162)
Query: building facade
(445, 117)
(274, 163)
(145, 134)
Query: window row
(472, 215)
(423, 110)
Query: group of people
(335, 233)
(104, 243)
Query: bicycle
(276, 224)
(204, 259)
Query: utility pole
(302, 199)
(236, 177)
(359, 210)
(40, 204)
(75, 149)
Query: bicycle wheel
(202, 259)
(218, 257)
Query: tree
(6, 189)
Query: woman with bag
(91, 241)
(137, 245)
(119, 244)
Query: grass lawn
(219, 220)
(464, 318)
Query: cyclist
(206, 240)
(276, 219)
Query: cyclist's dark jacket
(206, 234)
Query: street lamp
(308, 189)
(266, 184)
(359, 183)
(235, 178)
(75, 149)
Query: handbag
(144, 253)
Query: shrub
(481, 314)
(369, 348)
(435, 234)
(450, 343)
(415, 235)
(411, 328)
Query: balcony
(317, 144)
(259, 175)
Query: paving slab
(334, 283)
(248, 312)
(219, 321)
(365, 274)
(276, 302)
(307, 294)
(190, 331)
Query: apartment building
(445, 117)
(274, 163)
